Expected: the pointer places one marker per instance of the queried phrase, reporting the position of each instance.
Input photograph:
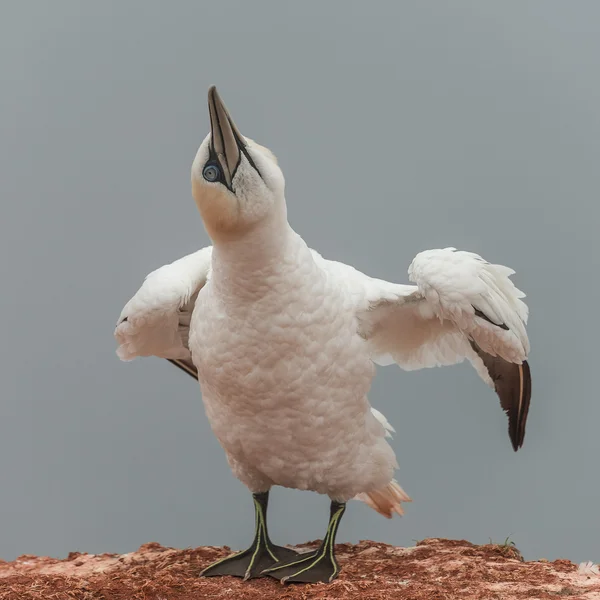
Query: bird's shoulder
(364, 289)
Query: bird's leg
(262, 553)
(319, 566)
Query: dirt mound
(433, 569)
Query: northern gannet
(283, 343)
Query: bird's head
(236, 182)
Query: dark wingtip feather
(521, 420)
(512, 383)
(187, 366)
(517, 413)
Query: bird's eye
(211, 173)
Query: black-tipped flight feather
(186, 365)
(512, 383)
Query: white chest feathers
(293, 337)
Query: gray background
(417, 125)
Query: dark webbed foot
(250, 563)
(261, 555)
(313, 567)
(316, 567)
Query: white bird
(283, 343)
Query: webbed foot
(313, 567)
(261, 555)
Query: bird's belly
(290, 402)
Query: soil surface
(434, 569)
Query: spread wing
(461, 307)
(156, 321)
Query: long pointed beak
(225, 138)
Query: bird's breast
(293, 345)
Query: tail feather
(386, 501)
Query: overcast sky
(411, 125)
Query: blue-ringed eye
(211, 173)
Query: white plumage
(283, 341)
(426, 325)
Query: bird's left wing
(156, 321)
(461, 307)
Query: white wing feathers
(462, 307)
(458, 297)
(461, 285)
(155, 322)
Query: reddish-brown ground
(433, 570)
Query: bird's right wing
(156, 321)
